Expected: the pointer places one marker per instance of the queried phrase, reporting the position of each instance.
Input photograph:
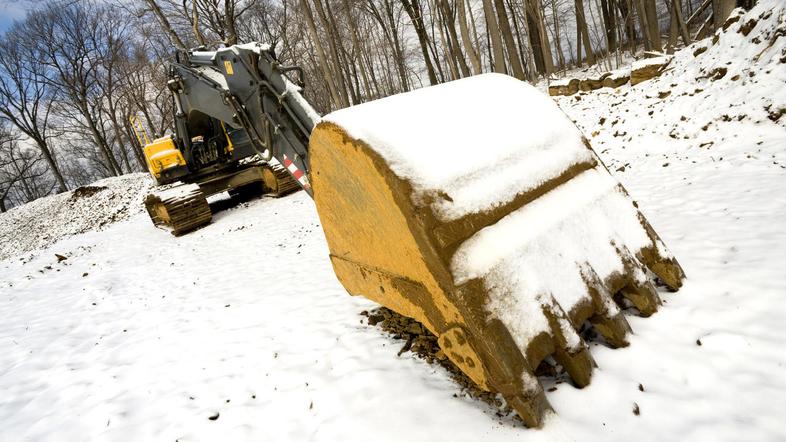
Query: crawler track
(279, 181)
(182, 208)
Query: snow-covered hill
(240, 331)
(47, 220)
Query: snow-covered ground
(139, 335)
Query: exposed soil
(423, 344)
(86, 192)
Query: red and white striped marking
(297, 173)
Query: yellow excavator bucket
(477, 208)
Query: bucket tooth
(643, 296)
(614, 329)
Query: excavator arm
(244, 86)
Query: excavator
(475, 207)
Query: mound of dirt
(85, 192)
(47, 220)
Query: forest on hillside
(75, 72)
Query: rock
(643, 70)
(734, 17)
(593, 83)
(747, 27)
(718, 73)
(414, 328)
(700, 50)
(617, 78)
(60, 258)
(564, 86)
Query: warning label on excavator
(228, 67)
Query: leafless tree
(25, 95)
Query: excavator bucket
(477, 208)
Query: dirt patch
(86, 192)
(418, 340)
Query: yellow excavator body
(161, 154)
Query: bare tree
(25, 94)
(66, 36)
(22, 179)
(496, 38)
(165, 24)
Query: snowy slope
(142, 336)
(47, 220)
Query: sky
(11, 10)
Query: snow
(252, 312)
(619, 74)
(296, 93)
(212, 74)
(517, 258)
(562, 82)
(178, 191)
(647, 62)
(551, 213)
(427, 137)
(47, 220)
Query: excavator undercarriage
(184, 207)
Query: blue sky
(11, 10)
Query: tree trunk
(474, 59)
(496, 38)
(449, 15)
(557, 39)
(323, 63)
(43, 146)
(644, 25)
(626, 12)
(137, 148)
(447, 53)
(195, 24)
(539, 39)
(165, 24)
(357, 48)
(654, 25)
(334, 53)
(676, 6)
(415, 12)
(581, 24)
(229, 22)
(610, 24)
(510, 43)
